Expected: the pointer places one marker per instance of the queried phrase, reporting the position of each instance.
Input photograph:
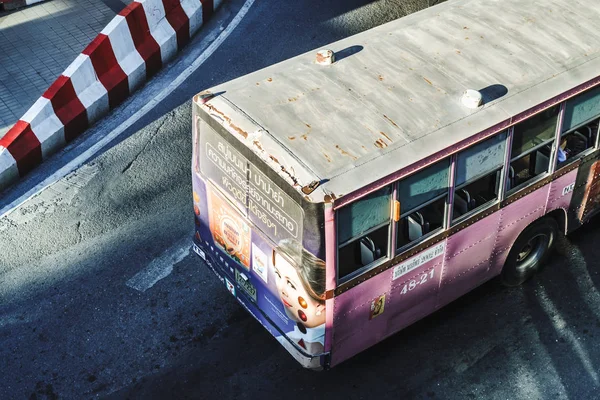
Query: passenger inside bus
(576, 142)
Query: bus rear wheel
(529, 252)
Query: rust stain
(269, 79)
(369, 129)
(257, 144)
(386, 136)
(291, 99)
(257, 83)
(305, 136)
(322, 58)
(292, 177)
(464, 27)
(292, 137)
(457, 51)
(345, 153)
(328, 198)
(380, 77)
(391, 121)
(381, 144)
(327, 157)
(239, 130)
(428, 81)
(273, 158)
(226, 118)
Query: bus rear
(259, 236)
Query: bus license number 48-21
(413, 283)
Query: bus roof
(393, 96)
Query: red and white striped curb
(128, 51)
(14, 4)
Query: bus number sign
(416, 262)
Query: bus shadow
(493, 92)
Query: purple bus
(342, 195)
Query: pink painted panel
(463, 261)
(561, 192)
(352, 308)
(356, 328)
(330, 278)
(413, 295)
(468, 258)
(513, 219)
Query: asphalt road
(101, 297)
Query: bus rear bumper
(313, 362)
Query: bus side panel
(468, 258)
(561, 192)
(353, 329)
(413, 296)
(513, 219)
(380, 306)
(586, 194)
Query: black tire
(529, 252)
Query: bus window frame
(428, 235)
(553, 150)
(384, 258)
(582, 154)
(461, 218)
(502, 180)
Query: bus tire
(529, 252)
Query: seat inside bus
(542, 159)
(417, 226)
(368, 251)
(578, 142)
(463, 202)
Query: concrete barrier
(129, 51)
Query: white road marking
(77, 162)
(160, 267)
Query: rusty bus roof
(393, 96)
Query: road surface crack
(79, 235)
(156, 132)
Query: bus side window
(363, 231)
(477, 175)
(580, 126)
(531, 140)
(423, 198)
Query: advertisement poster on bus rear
(254, 237)
(229, 230)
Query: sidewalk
(36, 45)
